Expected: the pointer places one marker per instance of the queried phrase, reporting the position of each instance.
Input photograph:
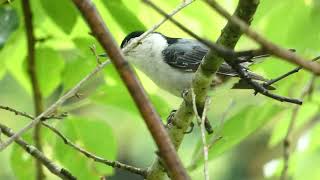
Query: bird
(172, 62)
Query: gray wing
(186, 55)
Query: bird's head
(129, 37)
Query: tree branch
(51, 166)
(272, 48)
(114, 164)
(203, 78)
(152, 120)
(37, 96)
(54, 106)
(231, 57)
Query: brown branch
(152, 120)
(114, 164)
(287, 139)
(37, 96)
(228, 55)
(268, 45)
(72, 92)
(203, 77)
(51, 166)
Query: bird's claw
(190, 130)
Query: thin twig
(213, 140)
(202, 80)
(295, 70)
(37, 96)
(230, 57)
(201, 121)
(51, 166)
(136, 41)
(54, 106)
(24, 114)
(287, 139)
(114, 164)
(93, 49)
(151, 118)
(266, 44)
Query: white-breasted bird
(171, 62)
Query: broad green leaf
(49, 66)
(114, 93)
(63, 13)
(237, 128)
(124, 17)
(94, 136)
(9, 22)
(79, 63)
(14, 54)
(22, 163)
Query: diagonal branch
(202, 80)
(37, 96)
(70, 93)
(52, 167)
(272, 48)
(114, 164)
(152, 119)
(54, 106)
(218, 51)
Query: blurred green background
(106, 122)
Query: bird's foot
(190, 130)
(170, 117)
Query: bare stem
(114, 164)
(266, 44)
(201, 121)
(152, 119)
(37, 96)
(36, 153)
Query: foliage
(106, 122)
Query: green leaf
(22, 163)
(9, 22)
(79, 63)
(237, 128)
(306, 111)
(49, 66)
(94, 136)
(125, 18)
(14, 54)
(62, 12)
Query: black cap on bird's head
(130, 36)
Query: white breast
(149, 59)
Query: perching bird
(171, 62)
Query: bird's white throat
(148, 58)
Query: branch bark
(37, 96)
(152, 120)
(202, 80)
(114, 164)
(268, 45)
(33, 151)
